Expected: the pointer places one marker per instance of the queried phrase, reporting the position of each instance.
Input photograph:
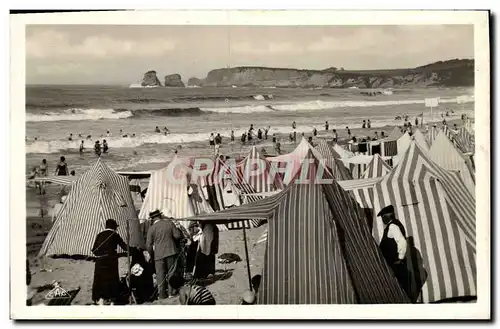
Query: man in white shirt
(393, 246)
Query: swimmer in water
(70, 137)
(81, 148)
(89, 137)
(72, 173)
(294, 125)
(157, 130)
(108, 134)
(80, 135)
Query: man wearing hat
(393, 245)
(162, 242)
(106, 286)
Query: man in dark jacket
(162, 242)
(393, 246)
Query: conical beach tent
(174, 191)
(98, 195)
(337, 167)
(448, 157)
(319, 249)
(376, 168)
(438, 213)
(419, 138)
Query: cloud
(51, 43)
(265, 48)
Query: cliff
(150, 79)
(173, 80)
(457, 72)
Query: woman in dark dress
(62, 168)
(106, 285)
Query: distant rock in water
(173, 80)
(195, 82)
(451, 73)
(150, 80)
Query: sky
(121, 54)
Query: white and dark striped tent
(337, 167)
(448, 157)
(174, 191)
(257, 172)
(438, 213)
(98, 195)
(376, 168)
(464, 141)
(419, 138)
(60, 180)
(319, 250)
(342, 152)
(403, 144)
(358, 164)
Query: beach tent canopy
(332, 161)
(175, 192)
(292, 161)
(438, 213)
(419, 138)
(319, 249)
(98, 195)
(376, 168)
(448, 157)
(135, 174)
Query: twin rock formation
(150, 79)
(451, 73)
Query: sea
(191, 114)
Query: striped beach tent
(318, 251)
(292, 161)
(358, 164)
(403, 144)
(332, 161)
(448, 157)
(438, 213)
(376, 168)
(419, 138)
(60, 180)
(341, 151)
(256, 171)
(464, 141)
(174, 191)
(98, 195)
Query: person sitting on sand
(104, 146)
(97, 148)
(157, 130)
(70, 138)
(81, 148)
(106, 285)
(191, 294)
(62, 168)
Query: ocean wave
(79, 115)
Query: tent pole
(130, 298)
(247, 258)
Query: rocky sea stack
(150, 80)
(173, 80)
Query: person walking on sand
(62, 167)
(211, 140)
(232, 136)
(106, 285)
(162, 242)
(335, 136)
(326, 125)
(97, 148)
(294, 125)
(259, 134)
(81, 148)
(243, 138)
(364, 124)
(266, 132)
(104, 146)
(369, 124)
(315, 132)
(348, 132)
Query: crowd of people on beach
(177, 263)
